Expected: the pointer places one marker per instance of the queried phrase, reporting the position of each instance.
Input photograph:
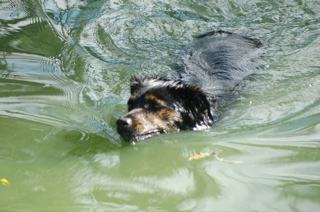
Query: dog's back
(219, 60)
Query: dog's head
(159, 106)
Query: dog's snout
(124, 122)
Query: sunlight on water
(64, 80)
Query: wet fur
(217, 63)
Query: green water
(64, 71)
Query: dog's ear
(135, 83)
(199, 107)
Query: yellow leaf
(199, 156)
(4, 182)
(202, 155)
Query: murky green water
(64, 71)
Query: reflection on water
(64, 71)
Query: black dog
(218, 62)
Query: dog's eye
(155, 106)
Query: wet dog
(217, 62)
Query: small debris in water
(46, 85)
(4, 182)
(202, 155)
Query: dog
(217, 62)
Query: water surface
(64, 72)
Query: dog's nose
(124, 122)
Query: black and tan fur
(218, 62)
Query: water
(64, 71)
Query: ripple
(64, 81)
(38, 97)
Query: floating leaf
(4, 182)
(47, 85)
(199, 156)
(202, 155)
